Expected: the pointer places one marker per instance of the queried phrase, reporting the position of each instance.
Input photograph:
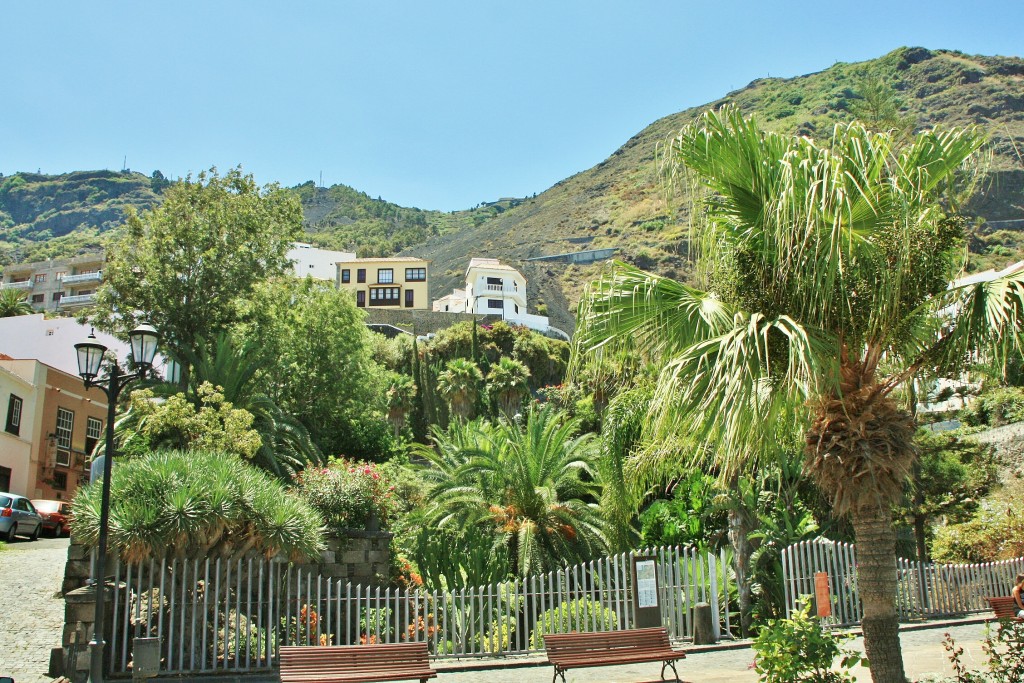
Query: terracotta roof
(4, 356)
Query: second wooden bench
(355, 663)
(1004, 608)
(579, 650)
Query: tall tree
(825, 270)
(185, 265)
(507, 384)
(320, 368)
(460, 384)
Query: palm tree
(400, 397)
(507, 383)
(460, 384)
(826, 273)
(14, 302)
(528, 484)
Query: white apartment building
(57, 284)
(320, 264)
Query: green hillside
(621, 202)
(340, 217)
(47, 216)
(618, 203)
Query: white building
(320, 264)
(492, 288)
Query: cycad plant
(531, 485)
(14, 302)
(826, 272)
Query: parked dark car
(17, 516)
(56, 516)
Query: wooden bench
(1004, 607)
(579, 650)
(354, 663)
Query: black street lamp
(90, 358)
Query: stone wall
(423, 322)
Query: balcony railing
(508, 289)
(24, 284)
(83, 278)
(77, 299)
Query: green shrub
(996, 407)
(349, 494)
(798, 649)
(577, 615)
(995, 532)
(1004, 655)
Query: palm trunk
(739, 532)
(876, 569)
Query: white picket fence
(924, 590)
(232, 615)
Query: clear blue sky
(439, 105)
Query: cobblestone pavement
(922, 655)
(31, 618)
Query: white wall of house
(494, 288)
(320, 264)
(16, 448)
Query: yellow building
(398, 281)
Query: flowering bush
(349, 494)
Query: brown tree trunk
(876, 579)
(739, 531)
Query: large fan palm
(827, 268)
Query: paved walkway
(923, 658)
(31, 609)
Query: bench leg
(558, 672)
(671, 664)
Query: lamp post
(90, 357)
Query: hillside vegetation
(620, 203)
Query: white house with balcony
(493, 288)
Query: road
(31, 607)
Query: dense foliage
(195, 504)
(185, 265)
(349, 494)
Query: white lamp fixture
(90, 357)
(144, 340)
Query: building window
(361, 275)
(60, 481)
(5, 478)
(38, 298)
(63, 458)
(494, 281)
(415, 274)
(516, 307)
(385, 276)
(346, 276)
(93, 427)
(409, 298)
(56, 296)
(495, 303)
(361, 299)
(60, 275)
(65, 423)
(385, 296)
(14, 415)
(40, 278)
